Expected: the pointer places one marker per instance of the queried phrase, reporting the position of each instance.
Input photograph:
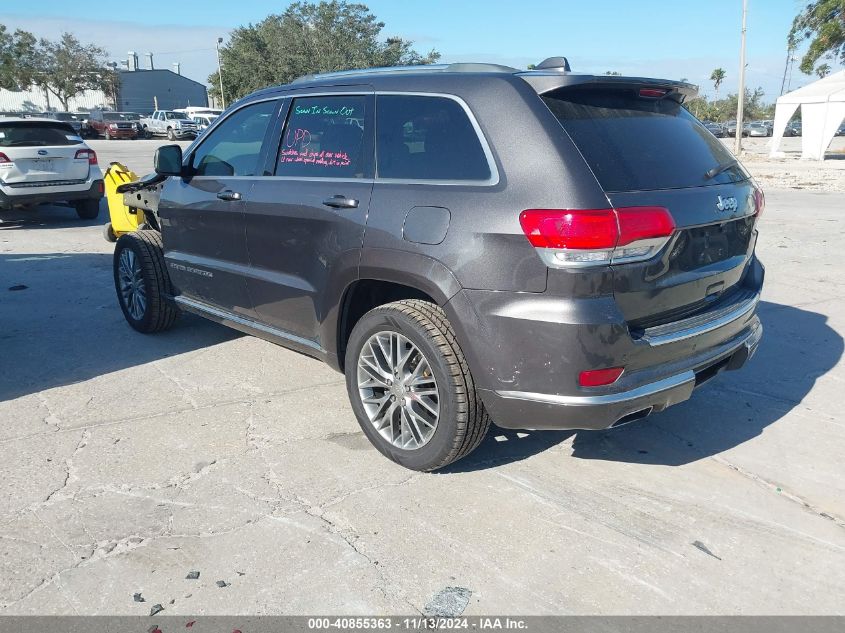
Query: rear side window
(427, 138)
(634, 144)
(37, 134)
(324, 138)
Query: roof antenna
(554, 63)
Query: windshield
(634, 144)
(37, 134)
(175, 115)
(130, 116)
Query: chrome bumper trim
(643, 391)
(695, 326)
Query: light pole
(740, 102)
(220, 73)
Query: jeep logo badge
(726, 204)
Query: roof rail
(424, 68)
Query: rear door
(646, 150)
(203, 215)
(305, 221)
(41, 151)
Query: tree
(823, 23)
(308, 38)
(18, 58)
(823, 70)
(68, 68)
(717, 77)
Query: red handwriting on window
(322, 158)
(299, 137)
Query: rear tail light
(759, 202)
(599, 377)
(653, 93)
(589, 237)
(88, 154)
(4, 158)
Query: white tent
(822, 110)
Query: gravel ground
(791, 172)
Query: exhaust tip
(632, 417)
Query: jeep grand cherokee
(467, 243)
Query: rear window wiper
(718, 169)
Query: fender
(409, 269)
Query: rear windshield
(635, 144)
(36, 134)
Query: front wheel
(142, 283)
(171, 135)
(410, 386)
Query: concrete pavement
(130, 461)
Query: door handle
(229, 195)
(341, 202)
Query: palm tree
(823, 71)
(717, 77)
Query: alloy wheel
(398, 390)
(132, 289)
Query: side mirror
(168, 160)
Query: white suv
(44, 160)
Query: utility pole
(740, 102)
(220, 73)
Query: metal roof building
(140, 91)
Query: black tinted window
(427, 138)
(234, 146)
(324, 137)
(633, 143)
(37, 134)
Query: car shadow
(49, 216)
(60, 323)
(798, 347)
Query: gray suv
(467, 243)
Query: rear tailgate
(646, 150)
(41, 152)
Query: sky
(652, 38)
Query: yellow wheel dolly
(122, 217)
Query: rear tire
(142, 283)
(460, 422)
(87, 209)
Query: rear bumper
(526, 351)
(521, 410)
(14, 196)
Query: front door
(305, 222)
(203, 215)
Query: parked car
(111, 125)
(841, 130)
(387, 223)
(715, 129)
(759, 129)
(193, 111)
(174, 125)
(730, 129)
(74, 119)
(203, 120)
(45, 160)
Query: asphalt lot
(130, 461)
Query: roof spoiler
(544, 81)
